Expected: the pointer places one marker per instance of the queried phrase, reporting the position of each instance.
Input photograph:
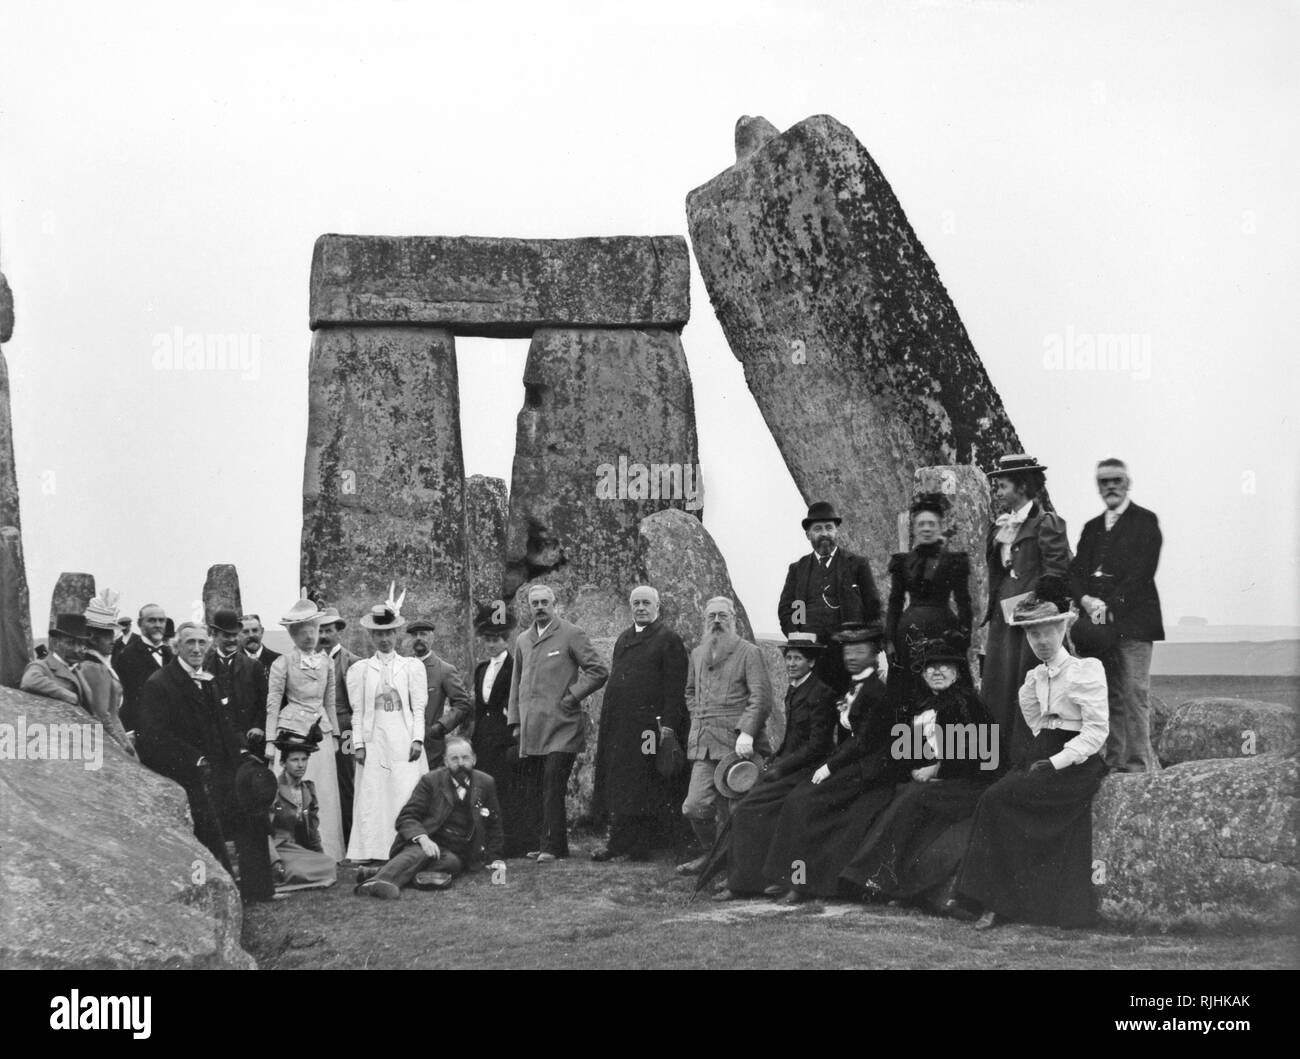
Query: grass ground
(578, 913)
(1174, 690)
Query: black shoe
(605, 854)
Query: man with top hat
(250, 641)
(52, 676)
(332, 625)
(101, 689)
(450, 825)
(555, 669)
(644, 704)
(241, 682)
(497, 751)
(186, 735)
(1025, 543)
(1113, 579)
(1029, 857)
(140, 658)
(825, 589)
(729, 698)
(388, 693)
(810, 720)
(450, 708)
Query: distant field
(1176, 689)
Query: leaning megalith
(850, 344)
(384, 493)
(72, 594)
(15, 613)
(221, 590)
(606, 437)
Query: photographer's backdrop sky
(1075, 169)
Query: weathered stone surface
(6, 310)
(101, 869)
(1200, 729)
(602, 411)
(751, 134)
(1158, 711)
(967, 524)
(221, 589)
(384, 483)
(486, 512)
(72, 593)
(1204, 842)
(15, 609)
(838, 315)
(504, 288)
(8, 471)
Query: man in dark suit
(498, 752)
(241, 682)
(51, 676)
(450, 708)
(140, 658)
(251, 641)
(450, 824)
(186, 735)
(1112, 578)
(825, 589)
(332, 625)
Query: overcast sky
(1074, 169)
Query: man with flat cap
(450, 708)
(332, 625)
(825, 589)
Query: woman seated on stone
(914, 850)
(1030, 852)
(297, 860)
(302, 679)
(826, 817)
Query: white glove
(926, 772)
(821, 774)
(745, 745)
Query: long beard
(717, 640)
(461, 772)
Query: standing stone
(606, 437)
(850, 344)
(72, 594)
(221, 589)
(6, 310)
(15, 606)
(384, 482)
(486, 512)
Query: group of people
(895, 779)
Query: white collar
(802, 680)
(497, 659)
(1119, 510)
(335, 649)
(186, 666)
(254, 654)
(860, 677)
(539, 633)
(834, 552)
(639, 628)
(58, 658)
(1023, 513)
(1058, 661)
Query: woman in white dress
(302, 679)
(388, 694)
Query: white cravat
(1008, 527)
(490, 676)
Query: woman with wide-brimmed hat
(935, 584)
(101, 688)
(299, 861)
(300, 696)
(913, 851)
(1030, 852)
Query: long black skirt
(821, 826)
(914, 850)
(753, 823)
(1030, 852)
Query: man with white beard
(728, 696)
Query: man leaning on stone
(451, 824)
(729, 698)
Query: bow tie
(152, 649)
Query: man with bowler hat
(51, 676)
(241, 682)
(825, 589)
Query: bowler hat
(735, 775)
(421, 625)
(255, 786)
(493, 619)
(821, 511)
(1013, 462)
(859, 632)
(225, 620)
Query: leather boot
(705, 833)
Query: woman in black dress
(825, 818)
(914, 850)
(936, 586)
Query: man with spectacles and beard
(451, 824)
(826, 589)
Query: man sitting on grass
(452, 823)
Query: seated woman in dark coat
(933, 581)
(826, 817)
(1030, 852)
(914, 850)
(298, 861)
(810, 718)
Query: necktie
(825, 560)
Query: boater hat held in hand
(735, 775)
